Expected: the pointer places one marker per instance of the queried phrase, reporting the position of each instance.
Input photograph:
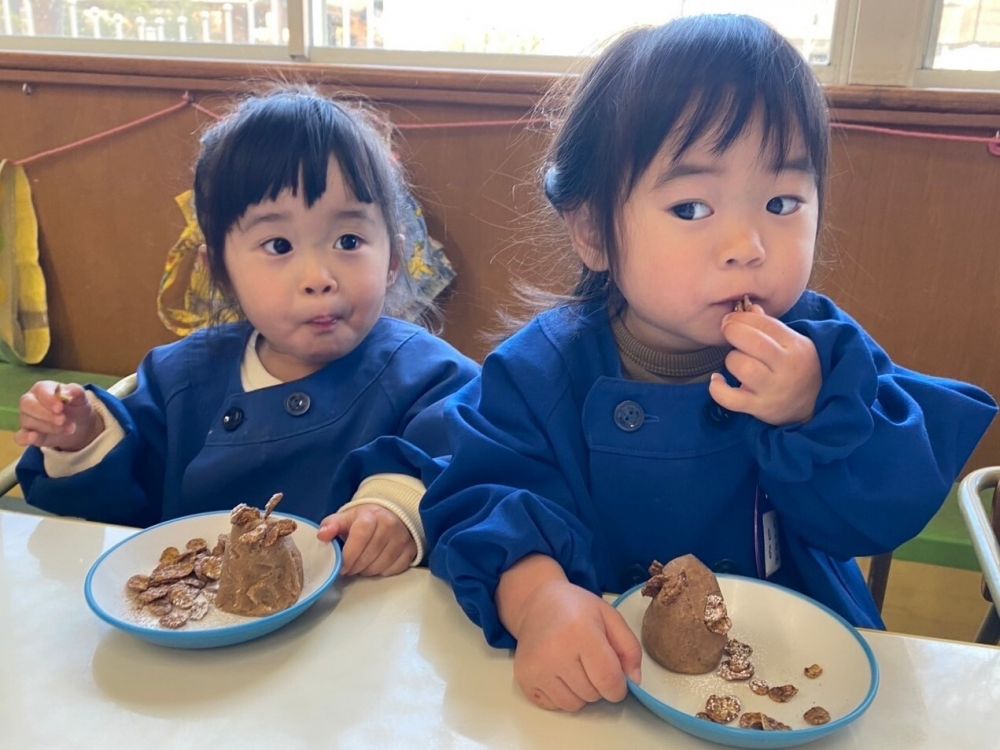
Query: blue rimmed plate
(788, 632)
(105, 591)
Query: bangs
(723, 117)
(713, 75)
(285, 143)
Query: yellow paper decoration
(24, 320)
(184, 302)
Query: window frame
(858, 53)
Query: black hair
(283, 140)
(696, 77)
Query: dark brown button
(232, 419)
(629, 416)
(297, 404)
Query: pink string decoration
(992, 143)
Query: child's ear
(584, 236)
(394, 264)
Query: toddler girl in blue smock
(316, 393)
(691, 395)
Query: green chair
(944, 541)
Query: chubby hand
(59, 416)
(777, 367)
(573, 648)
(377, 543)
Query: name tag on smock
(766, 540)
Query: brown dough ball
(685, 625)
(261, 568)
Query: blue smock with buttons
(195, 441)
(555, 453)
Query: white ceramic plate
(107, 597)
(788, 632)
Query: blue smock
(195, 441)
(556, 453)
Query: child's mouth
(324, 321)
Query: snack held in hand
(685, 625)
(262, 567)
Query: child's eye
(348, 242)
(783, 205)
(278, 246)
(691, 211)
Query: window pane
(969, 35)
(545, 27)
(196, 21)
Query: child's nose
(319, 288)
(318, 278)
(743, 247)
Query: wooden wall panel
(911, 248)
(472, 185)
(913, 252)
(105, 212)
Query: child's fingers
(733, 399)
(578, 680)
(359, 536)
(76, 407)
(386, 559)
(333, 526)
(603, 669)
(41, 408)
(750, 371)
(624, 643)
(563, 697)
(372, 545)
(376, 558)
(47, 424)
(48, 394)
(746, 336)
(371, 553)
(25, 438)
(541, 699)
(72, 394)
(402, 562)
(395, 557)
(771, 327)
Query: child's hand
(573, 648)
(777, 367)
(377, 543)
(59, 416)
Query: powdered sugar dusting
(215, 618)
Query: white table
(377, 663)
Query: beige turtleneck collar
(649, 365)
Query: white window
(923, 35)
(964, 47)
(968, 35)
(535, 34)
(948, 43)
